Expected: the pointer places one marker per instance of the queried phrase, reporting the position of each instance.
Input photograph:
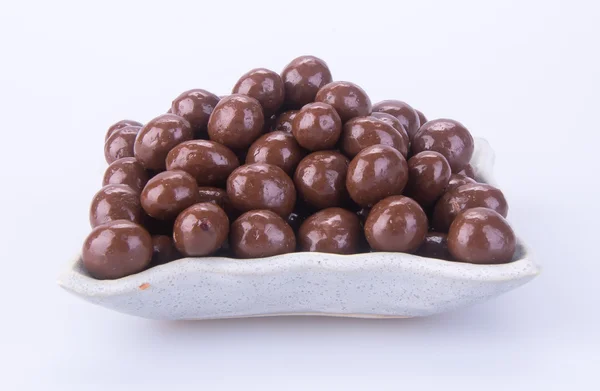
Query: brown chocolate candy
(200, 230)
(396, 223)
(362, 132)
(218, 197)
(116, 249)
(435, 245)
(481, 235)
(195, 106)
(163, 250)
(457, 180)
(320, 179)
(261, 233)
(126, 171)
(120, 143)
(317, 126)
(448, 137)
(158, 137)
(428, 176)
(331, 230)
(348, 99)
(283, 121)
(263, 85)
(261, 186)
(236, 121)
(422, 118)
(169, 193)
(302, 78)
(467, 197)
(376, 173)
(207, 161)
(395, 122)
(404, 112)
(277, 148)
(115, 202)
(120, 125)
(468, 171)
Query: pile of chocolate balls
(291, 162)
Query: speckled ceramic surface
(362, 285)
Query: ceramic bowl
(373, 285)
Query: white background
(523, 74)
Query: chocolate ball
(200, 230)
(468, 171)
(158, 137)
(467, 197)
(348, 99)
(120, 125)
(120, 143)
(115, 202)
(209, 162)
(261, 233)
(168, 193)
(302, 79)
(283, 121)
(362, 132)
(263, 85)
(422, 118)
(317, 126)
(395, 122)
(407, 116)
(448, 137)
(116, 249)
(261, 186)
(277, 148)
(457, 180)
(126, 171)
(482, 236)
(320, 179)
(428, 176)
(195, 106)
(332, 230)
(396, 223)
(163, 250)
(435, 245)
(376, 173)
(236, 121)
(218, 197)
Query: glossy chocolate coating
(428, 176)
(283, 122)
(481, 235)
(396, 223)
(448, 137)
(120, 125)
(331, 230)
(468, 171)
(407, 116)
(302, 79)
(362, 132)
(348, 99)
(261, 233)
(375, 173)
(467, 197)
(263, 85)
(126, 171)
(236, 121)
(115, 202)
(158, 137)
(168, 193)
(457, 180)
(435, 245)
(209, 162)
(422, 118)
(277, 148)
(163, 250)
(321, 177)
(195, 106)
(218, 197)
(116, 249)
(395, 122)
(200, 230)
(261, 186)
(120, 143)
(317, 127)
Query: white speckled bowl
(376, 285)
